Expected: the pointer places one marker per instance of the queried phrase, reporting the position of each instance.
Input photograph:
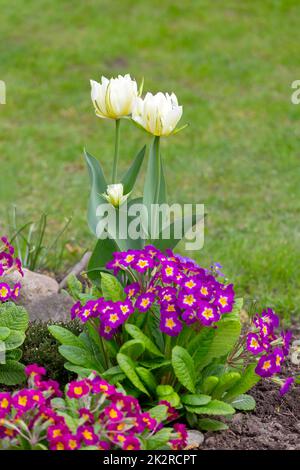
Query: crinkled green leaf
(214, 407)
(184, 368)
(128, 367)
(136, 333)
(243, 402)
(196, 399)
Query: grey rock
(40, 296)
(195, 439)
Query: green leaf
(98, 186)
(14, 354)
(184, 368)
(13, 316)
(166, 392)
(235, 313)
(159, 440)
(243, 402)
(214, 407)
(199, 346)
(182, 225)
(147, 378)
(79, 357)
(154, 188)
(208, 424)
(4, 333)
(74, 286)
(128, 367)
(225, 337)
(209, 384)
(196, 399)
(226, 381)
(130, 177)
(136, 333)
(79, 370)
(153, 365)
(14, 340)
(111, 288)
(12, 373)
(64, 336)
(246, 382)
(133, 348)
(102, 254)
(159, 412)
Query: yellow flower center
(170, 323)
(3, 292)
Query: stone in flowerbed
(41, 297)
(273, 425)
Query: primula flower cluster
(271, 349)
(8, 263)
(102, 416)
(184, 292)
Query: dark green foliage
(42, 348)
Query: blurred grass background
(231, 64)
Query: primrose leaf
(111, 288)
(214, 407)
(243, 402)
(128, 367)
(246, 382)
(208, 424)
(184, 368)
(196, 399)
(136, 333)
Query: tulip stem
(117, 145)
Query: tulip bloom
(157, 114)
(114, 98)
(114, 194)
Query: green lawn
(231, 63)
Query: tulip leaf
(131, 175)
(98, 186)
(154, 190)
(173, 233)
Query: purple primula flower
(116, 263)
(129, 257)
(132, 290)
(170, 324)
(144, 302)
(6, 260)
(106, 331)
(167, 295)
(87, 435)
(143, 263)
(5, 404)
(151, 251)
(279, 358)
(126, 309)
(224, 301)
(187, 300)
(114, 317)
(207, 313)
(169, 272)
(190, 284)
(266, 366)
(189, 317)
(85, 313)
(75, 310)
(205, 290)
(8, 246)
(5, 291)
(15, 293)
(287, 386)
(269, 317)
(253, 343)
(286, 338)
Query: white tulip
(114, 98)
(158, 114)
(114, 194)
